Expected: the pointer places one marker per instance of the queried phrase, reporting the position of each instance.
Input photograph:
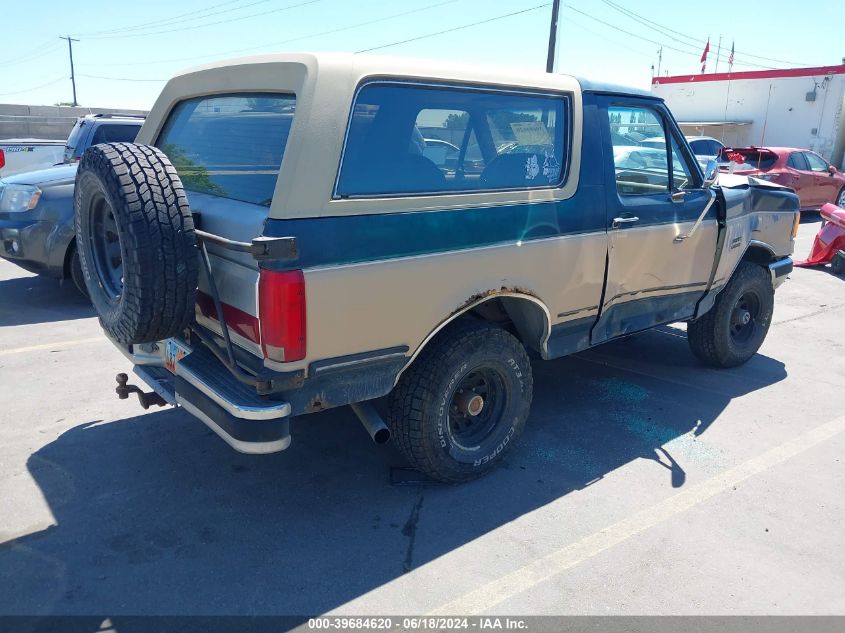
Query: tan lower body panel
(377, 305)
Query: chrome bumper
(205, 388)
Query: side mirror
(711, 173)
(831, 169)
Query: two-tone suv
(298, 232)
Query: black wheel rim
(745, 318)
(466, 430)
(106, 247)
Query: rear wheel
(463, 403)
(736, 326)
(840, 199)
(136, 241)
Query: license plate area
(174, 351)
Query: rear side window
(74, 142)
(406, 139)
(117, 133)
(797, 161)
(229, 145)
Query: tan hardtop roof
(344, 65)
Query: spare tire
(136, 241)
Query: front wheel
(736, 326)
(463, 403)
(76, 274)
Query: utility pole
(550, 60)
(70, 41)
(659, 60)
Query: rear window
(749, 158)
(115, 133)
(229, 145)
(407, 139)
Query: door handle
(618, 222)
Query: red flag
(704, 55)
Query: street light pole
(550, 60)
(70, 41)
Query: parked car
(816, 181)
(705, 148)
(340, 265)
(19, 155)
(92, 129)
(36, 207)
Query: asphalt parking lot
(645, 484)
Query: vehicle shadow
(155, 515)
(37, 299)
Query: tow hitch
(147, 399)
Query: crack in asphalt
(410, 530)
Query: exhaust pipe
(372, 421)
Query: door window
(117, 133)
(816, 162)
(797, 161)
(639, 151)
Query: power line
(35, 53)
(293, 39)
(605, 38)
(456, 28)
(118, 78)
(184, 20)
(49, 83)
(160, 22)
(669, 32)
(200, 26)
(685, 52)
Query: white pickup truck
(28, 154)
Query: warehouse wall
(779, 109)
(48, 122)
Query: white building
(797, 107)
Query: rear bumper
(203, 387)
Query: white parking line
(51, 346)
(485, 597)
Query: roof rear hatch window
(229, 145)
(748, 158)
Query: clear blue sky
(124, 50)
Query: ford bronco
(297, 232)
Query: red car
(816, 181)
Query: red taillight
(2, 159)
(281, 314)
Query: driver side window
(639, 151)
